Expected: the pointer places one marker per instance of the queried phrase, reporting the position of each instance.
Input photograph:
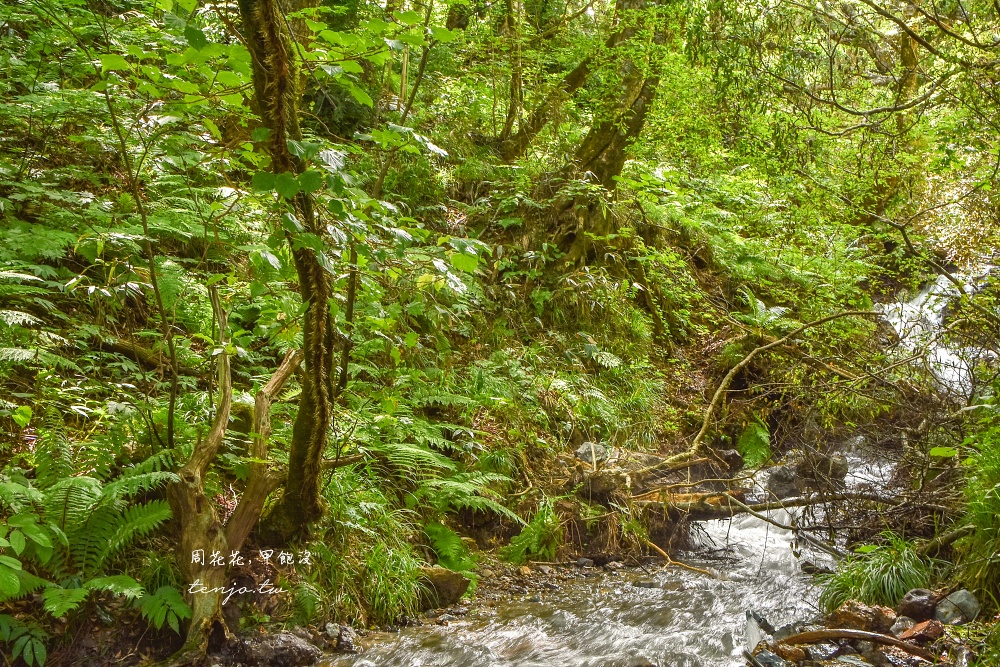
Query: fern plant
(540, 537)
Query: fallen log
(723, 505)
(814, 636)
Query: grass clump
(878, 574)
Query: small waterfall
(920, 325)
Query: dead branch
(814, 636)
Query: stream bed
(669, 617)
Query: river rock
(853, 660)
(592, 453)
(854, 615)
(818, 467)
(281, 650)
(784, 482)
(584, 562)
(347, 639)
(959, 607)
(902, 623)
(442, 588)
(645, 583)
(768, 659)
(918, 604)
(790, 653)
(925, 631)
(822, 651)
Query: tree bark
(514, 146)
(276, 96)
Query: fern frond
(18, 318)
(412, 458)
(132, 484)
(137, 521)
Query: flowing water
(688, 620)
(919, 323)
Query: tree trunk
(276, 93)
(515, 146)
(600, 158)
(201, 531)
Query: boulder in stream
(784, 482)
(926, 631)
(854, 615)
(918, 604)
(281, 650)
(442, 587)
(959, 607)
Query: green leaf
(464, 262)
(119, 584)
(12, 563)
(444, 35)
(361, 96)
(943, 452)
(111, 62)
(408, 17)
(263, 181)
(37, 534)
(17, 541)
(22, 416)
(304, 150)
(195, 37)
(9, 583)
(286, 185)
(310, 181)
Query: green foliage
(165, 605)
(755, 444)
(26, 640)
(978, 555)
(539, 538)
(878, 574)
(451, 551)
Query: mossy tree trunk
(276, 97)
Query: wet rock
(769, 659)
(959, 607)
(442, 588)
(347, 639)
(487, 573)
(592, 452)
(645, 583)
(918, 604)
(854, 660)
(732, 458)
(902, 623)
(460, 611)
(535, 598)
(818, 467)
(809, 567)
(445, 619)
(784, 482)
(762, 622)
(925, 631)
(281, 650)
(787, 630)
(584, 562)
(854, 615)
(545, 569)
(524, 571)
(551, 586)
(790, 653)
(822, 651)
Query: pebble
(545, 569)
